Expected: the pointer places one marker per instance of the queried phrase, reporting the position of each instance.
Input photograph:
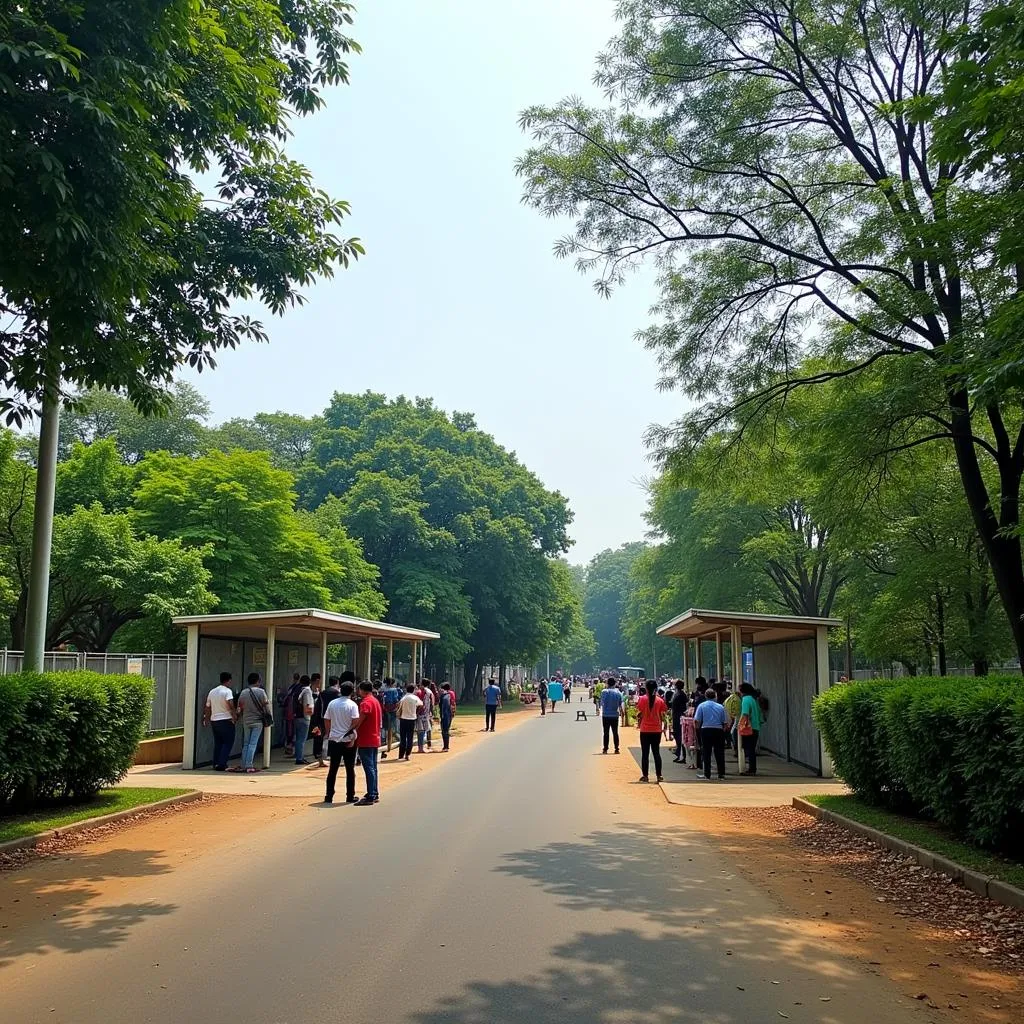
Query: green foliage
(945, 748)
(240, 512)
(289, 438)
(463, 534)
(64, 735)
(810, 227)
(94, 474)
(605, 599)
(114, 267)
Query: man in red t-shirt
(368, 740)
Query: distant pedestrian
(389, 697)
(680, 702)
(732, 705)
(542, 693)
(447, 709)
(690, 736)
(749, 726)
(651, 710)
(341, 720)
(425, 715)
(492, 701)
(219, 714)
(408, 710)
(713, 721)
(368, 740)
(252, 705)
(317, 728)
(286, 701)
(568, 691)
(611, 705)
(302, 712)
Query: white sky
(459, 296)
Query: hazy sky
(459, 296)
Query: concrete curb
(982, 885)
(27, 842)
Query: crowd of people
(703, 723)
(348, 720)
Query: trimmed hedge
(65, 735)
(947, 749)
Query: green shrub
(947, 749)
(65, 735)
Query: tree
(289, 438)
(104, 576)
(604, 603)
(463, 533)
(240, 510)
(777, 162)
(115, 269)
(98, 413)
(94, 474)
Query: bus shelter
(787, 662)
(277, 644)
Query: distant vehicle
(629, 672)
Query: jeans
(422, 735)
(750, 751)
(490, 715)
(611, 725)
(338, 752)
(368, 759)
(301, 732)
(677, 735)
(223, 741)
(650, 742)
(446, 728)
(712, 741)
(406, 728)
(250, 741)
(543, 705)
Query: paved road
(516, 883)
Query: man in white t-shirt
(219, 714)
(408, 710)
(340, 719)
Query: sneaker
(376, 799)
(703, 778)
(616, 750)
(605, 751)
(365, 802)
(351, 799)
(661, 778)
(328, 800)
(643, 778)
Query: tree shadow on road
(686, 941)
(45, 905)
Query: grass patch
(109, 801)
(161, 734)
(924, 834)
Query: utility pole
(849, 651)
(42, 532)
(548, 675)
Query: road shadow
(697, 947)
(45, 904)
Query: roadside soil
(960, 955)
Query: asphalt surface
(519, 882)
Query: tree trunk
(940, 621)
(501, 680)
(470, 666)
(981, 666)
(999, 536)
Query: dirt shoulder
(959, 954)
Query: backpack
(298, 708)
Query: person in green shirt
(750, 719)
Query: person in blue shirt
(492, 701)
(390, 695)
(713, 721)
(611, 705)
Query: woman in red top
(651, 709)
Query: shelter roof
(755, 627)
(296, 625)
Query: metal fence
(166, 670)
